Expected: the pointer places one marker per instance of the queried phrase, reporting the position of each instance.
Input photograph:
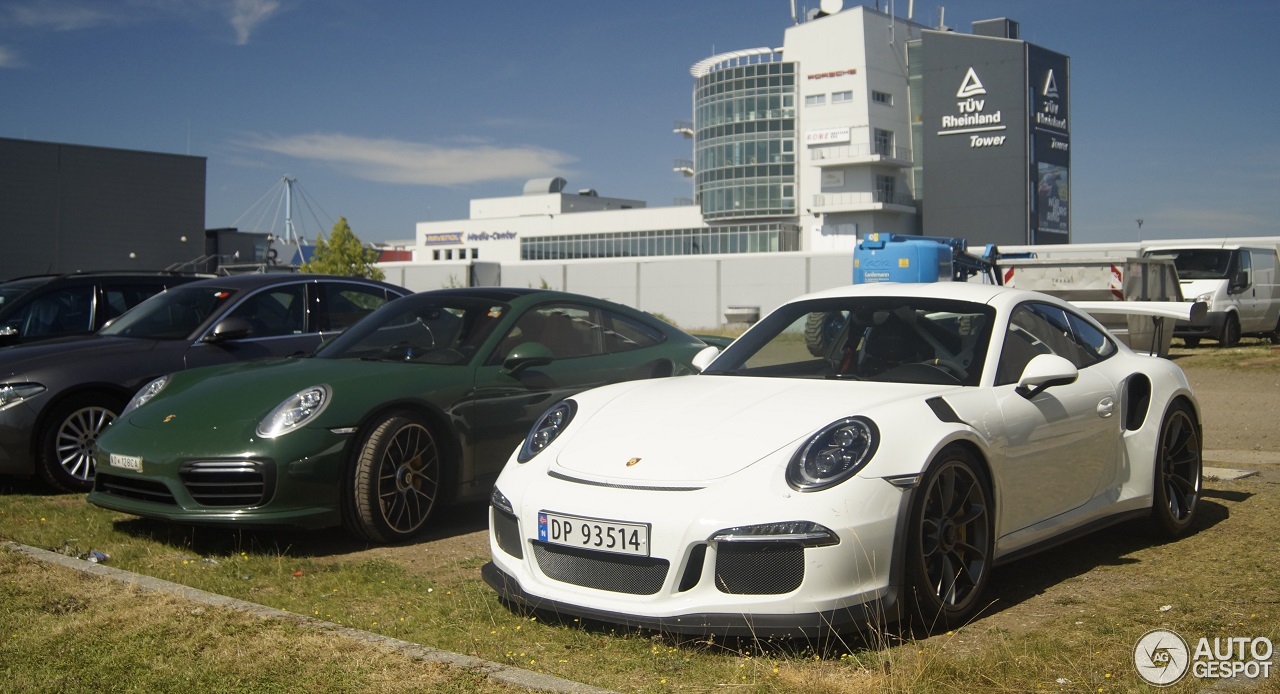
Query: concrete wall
(693, 291)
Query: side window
(347, 303)
(1044, 329)
(622, 334)
(63, 312)
(1094, 343)
(1244, 270)
(567, 330)
(275, 312)
(119, 298)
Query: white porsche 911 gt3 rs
(859, 455)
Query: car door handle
(1106, 407)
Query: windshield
(1198, 264)
(419, 329)
(14, 289)
(887, 339)
(174, 314)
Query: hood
(246, 392)
(24, 358)
(696, 429)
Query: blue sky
(391, 112)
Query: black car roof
(490, 293)
(254, 280)
(34, 280)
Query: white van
(1238, 283)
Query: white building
(799, 148)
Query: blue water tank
(893, 258)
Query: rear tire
(950, 541)
(1179, 473)
(69, 440)
(395, 482)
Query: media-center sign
(992, 172)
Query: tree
(343, 254)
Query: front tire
(1230, 332)
(395, 482)
(69, 440)
(1179, 473)
(950, 541)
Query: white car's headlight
(14, 393)
(833, 455)
(548, 427)
(1205, 298)
(298, 409)
(145, 393)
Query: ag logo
(1161, 657)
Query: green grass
(1064, 620)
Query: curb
(497, 671)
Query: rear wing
(1149, 322)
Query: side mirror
(229, 329)
(526, 355)
(1239, 283)
(1045, 371)
(703, 359)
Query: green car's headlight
(833, 454)
(549, 426)
(298, 409)
(13, 393)
(145, 393)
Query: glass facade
(745, 141)
(740, 238)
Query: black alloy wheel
(396, 480)
(951, 541)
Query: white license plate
(128, 462)
(619, 537)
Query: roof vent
(542, 186)
(589, 192)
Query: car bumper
(692, 583)
(1210, 326)
(17, 432)
(292, 481)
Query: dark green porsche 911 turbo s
(417, 405)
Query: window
(435, 255)
(347, 303)
(566, 330)
(841, 97)
(884, 142)
(622, 334)
(882, 98)
(275, 312)
(886, 189)
(122, 297)
(1036, 329)
(475, 253)
(815, 100)
(64, 312)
